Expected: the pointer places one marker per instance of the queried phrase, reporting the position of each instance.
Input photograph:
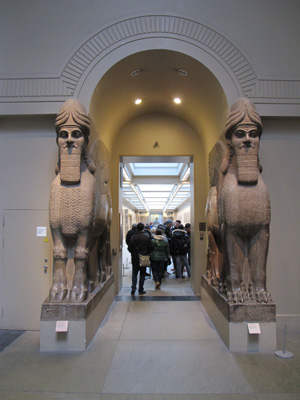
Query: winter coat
(129, 235)
(161, 250)
(140, 244)
(179, 243)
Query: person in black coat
(179, 246)
(140, 243)
(130, 233)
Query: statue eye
(63, 134)
(253, 134)
(240, 134)
(76, 134)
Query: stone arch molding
(141, 27)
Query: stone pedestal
(83, 319)
(231, 321)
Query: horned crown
(242, 111)
(71, 113)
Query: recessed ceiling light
(138, 101)
(182, 72)
(177, 100)
(135, 72)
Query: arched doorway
(188, 129)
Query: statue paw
(57, 295)
(236, 296)
(263, 297)
(102, 277)
(78, 296)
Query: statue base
(232, 321)
(71, 326)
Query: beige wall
(175, 139)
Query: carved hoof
(56, 296)
(78, 296)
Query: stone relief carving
(80, 209)
(238, 210)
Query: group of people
(166, 243)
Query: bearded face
(71, 145)
(245, 145)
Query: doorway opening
(154, 190)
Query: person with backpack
(159, 256)
(139, 244)
(179, 246)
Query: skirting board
(81, 328)
(235, 334)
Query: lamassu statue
(238, 210)
(80, 209)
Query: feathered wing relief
(80, 212)
(238, 210)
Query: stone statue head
(243, 131)
(72, 126)
(73, 114)
(242, 111)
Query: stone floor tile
(167, 326)
(174, 367)
(267, 373)
(23, 368)
(148, 396)
(47, 396)
(279, 396)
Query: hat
(168, 221)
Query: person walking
(179, 246)
(130, 233)
(159, 256)
(139, 243)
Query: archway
(188, 130)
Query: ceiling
(157, 77)
(156, 187)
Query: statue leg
(235, 252)
(79, 291)
(258, 252)
(59, 290)
(108, 248)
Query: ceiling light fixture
(182, 72)
(138, 101)
(177, 100)
(135, 72)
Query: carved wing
(101, 158)
(215, 158)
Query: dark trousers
(158, 270)
(135, 270)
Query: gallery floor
(161, 346)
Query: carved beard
(70, 160)
(247, 164)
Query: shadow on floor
(7, 337)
